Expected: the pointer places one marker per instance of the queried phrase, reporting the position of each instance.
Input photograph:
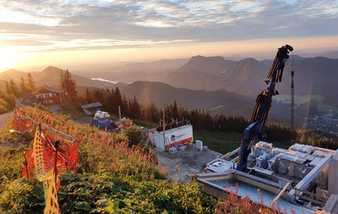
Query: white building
(163, 140)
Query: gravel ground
(180, 166)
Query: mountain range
(49, 76)
(161, 94)
(146, 92)
(213, 83)
(131, 72)
(314, 76)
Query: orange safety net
(21, 122)
(53, 153)
(46, 159)
(67, 157)
(44, 148)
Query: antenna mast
(292, 115)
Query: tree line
(201, 119)
(27, 85)
(14, 90)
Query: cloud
(89, 24)
(33, 43)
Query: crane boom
(253, 132)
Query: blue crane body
(253, 132)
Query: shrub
(116, 158)
(22, 196)
(11, 160)
(135, 136)
(3, 106)
(89, 193)
(317, 138)
(233, 204)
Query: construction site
(300, 179)
(169, 106)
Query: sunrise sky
(75, 33)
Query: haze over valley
(215, 84)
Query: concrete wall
(333, 175)
(331, 205)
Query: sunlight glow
(9, 58)
(82, 53)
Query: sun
(8, 58)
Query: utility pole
(292, 115)
(163, 125)
(120, 115)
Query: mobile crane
(253, 132)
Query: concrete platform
(182, 165)
(244, 185)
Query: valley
(216, 84)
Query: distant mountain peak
(249, 60)
(206, 64)
(12, 72)
(52, 69)
(150, 83)
(197, 61)
(212, 59)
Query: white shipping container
(172, 137)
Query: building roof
(46, 88)
(92, 105)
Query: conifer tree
(69, 86)
(23, 87)
(88, 98)
(8, 88)
(98, 95)
(30, 82)
(112, 102)
(13, 88)
(125, 107)
(152, 113)
(136, 108)
(118, 97)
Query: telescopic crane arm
(253, 132)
